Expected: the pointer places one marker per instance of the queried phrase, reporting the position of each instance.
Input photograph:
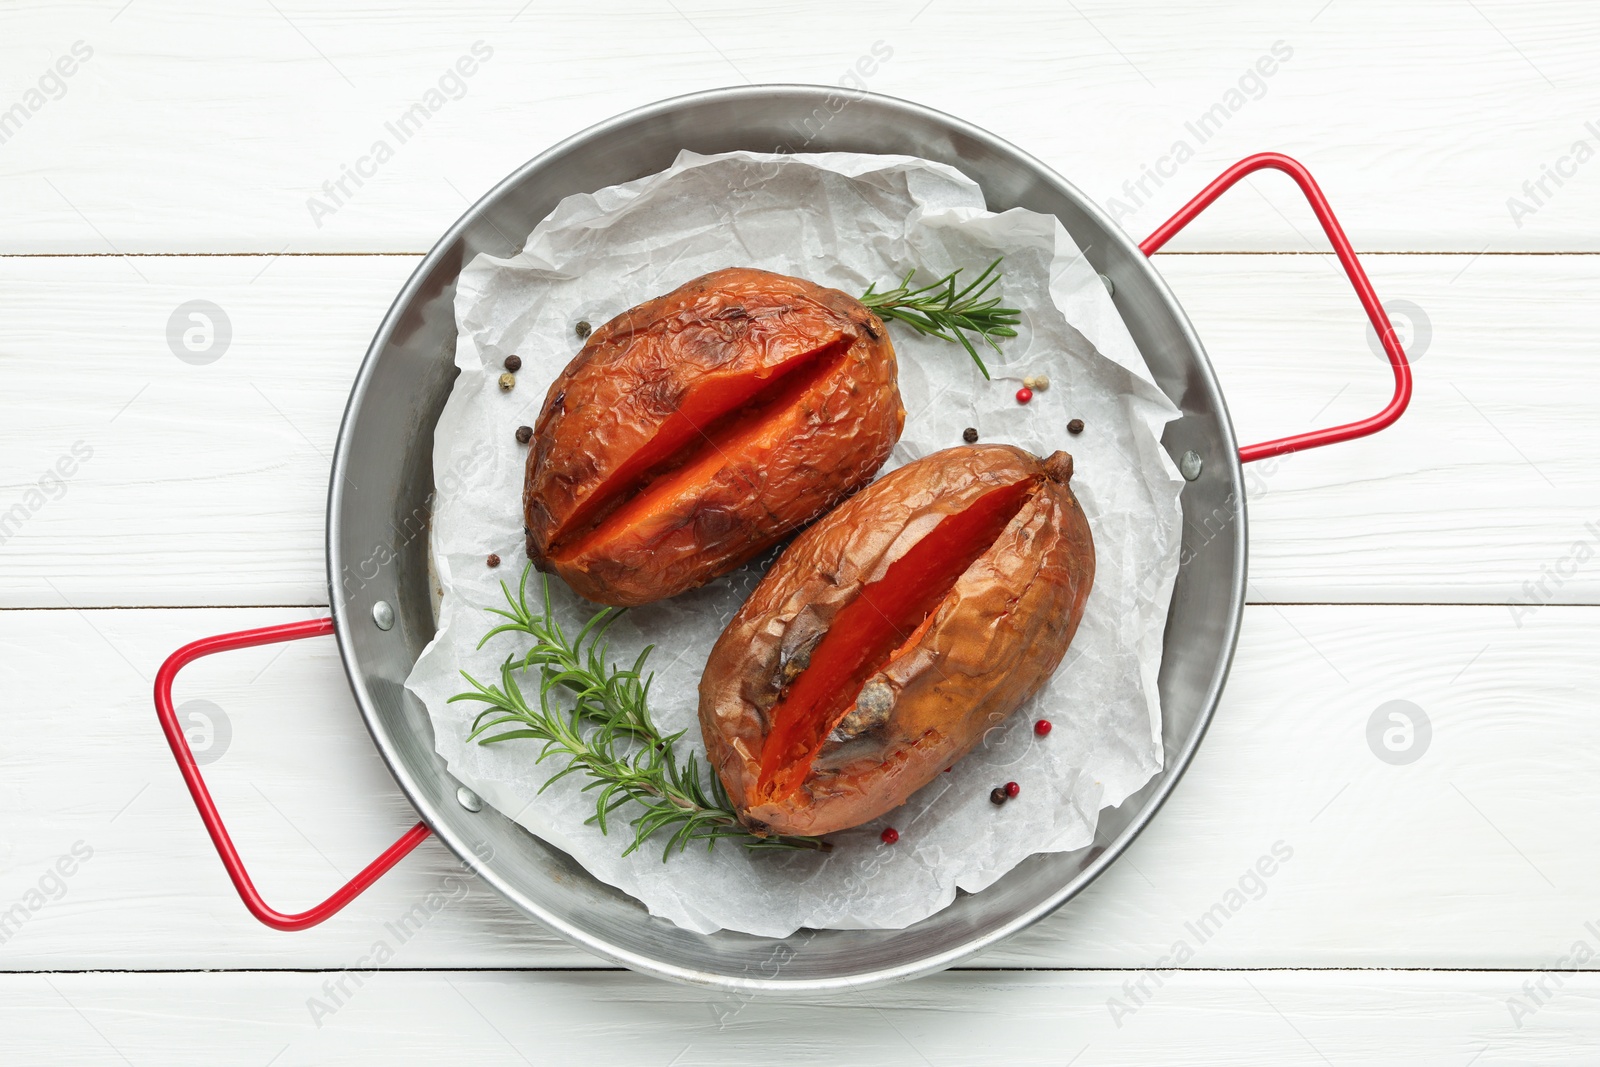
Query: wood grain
(1420, 120)
(1270, 1017)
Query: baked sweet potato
(700, 428)
(890, 636)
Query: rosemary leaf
(595, 718)
(941, 310)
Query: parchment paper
(842, 220)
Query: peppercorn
(508, 382)
(970, 435)
(889, 836)
(494, 559)
(513, 363)
(1041, 727)
(524, 434)
(1012, 789)
(583, 329)
(1024, 395)
(997, 795)
(1038, 381)
(1075, 426)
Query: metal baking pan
(381, 485)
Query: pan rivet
(468, 799)
(1112, 289)
(383, 615)
(1189, 466)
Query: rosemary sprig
(940, 310)
(607, 734)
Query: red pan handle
(209, 815)
(1352, 267)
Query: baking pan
(382, 483)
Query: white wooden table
(1438, 911)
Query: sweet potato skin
(991, 644)
(635, 372)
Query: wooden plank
(1271, 1017)
(207, 482)
(1483, 852)
(1421, 121)
(1480, 493)
(233, 454)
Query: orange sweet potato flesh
(893, 634)
(700, 428)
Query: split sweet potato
(700, 428)
(893, 634)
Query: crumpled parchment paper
(843, 220)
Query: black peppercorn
(970, 435)
(524, 434)
(1075, 426)
(494, 559)
(583, 329)
(513, 363)
(997, 795)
